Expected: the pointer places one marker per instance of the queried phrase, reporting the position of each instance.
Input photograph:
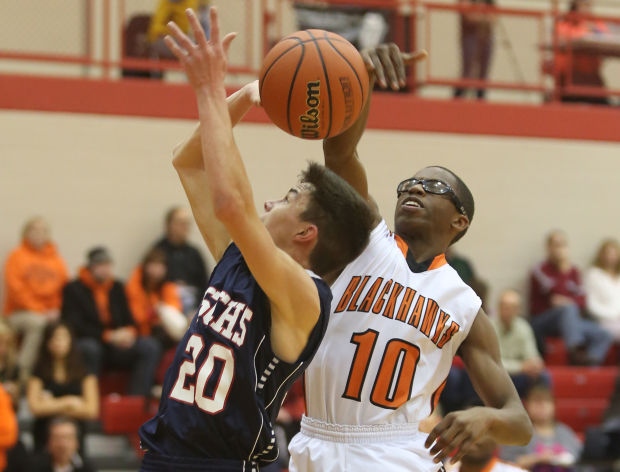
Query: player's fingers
(450, 446)
(444, 439)
(215, 25)
(411, 57)
(199, 34)
(437, 431)
(397, 60)
(181, 38)
(174, 47)
(463, 449)
(390, 71)
(227, 40)
(378, 68)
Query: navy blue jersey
(222, 393)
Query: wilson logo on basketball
(310, 120)
(347, 93)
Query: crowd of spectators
(58, 336)
(70, 331)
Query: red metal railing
(264, 22)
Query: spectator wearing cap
(34, 276)
(557, 298)
(186, 267)
(95, 306)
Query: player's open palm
(205, 61)
(457, 432)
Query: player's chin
(404, 220)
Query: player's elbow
(228, 207)
(521, 430)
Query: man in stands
(517, 343)
(186, 267)
(96, 308)
(62, 449)
(556, 301)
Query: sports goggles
(434, 186)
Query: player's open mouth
(412, 204)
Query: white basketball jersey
(391, 337)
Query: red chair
(556, 353)
(125, 414)
(583, 382)
(580, 413)
(111, 382)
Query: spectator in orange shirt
(8, 426)
(34, 277)
(155, 302)
(583, 68)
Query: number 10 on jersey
(394, 380)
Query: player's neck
(423, 249)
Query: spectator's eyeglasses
(434, 186)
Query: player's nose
(416, 189)
(268, 205)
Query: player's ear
(460, 222)
(307, 233)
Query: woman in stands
(602, 284)
(155, 302)
(60, 384)
(554, 446)
(9, 373)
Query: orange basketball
(313, 84)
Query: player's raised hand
(387, 62)
(205, 61)
(253, 93)
(457, 432)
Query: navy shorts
(153, 462)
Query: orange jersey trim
(402, 245)
(438, 261)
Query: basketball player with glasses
(264, 312)
(400, 314)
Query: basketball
(313, 84)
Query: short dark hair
(56, 420)
(342, 216)
(170, 214)
(465, 196)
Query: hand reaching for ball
(205, 61)
(387, 63)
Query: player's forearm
(188, 154)
(510, 425)
(228, 183)
(341, 149)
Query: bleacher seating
(582, 394)
(557, 354)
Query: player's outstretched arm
(385, 64)
(189, 165)
(293, 295)
(503, 418)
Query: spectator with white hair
(34, 275)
